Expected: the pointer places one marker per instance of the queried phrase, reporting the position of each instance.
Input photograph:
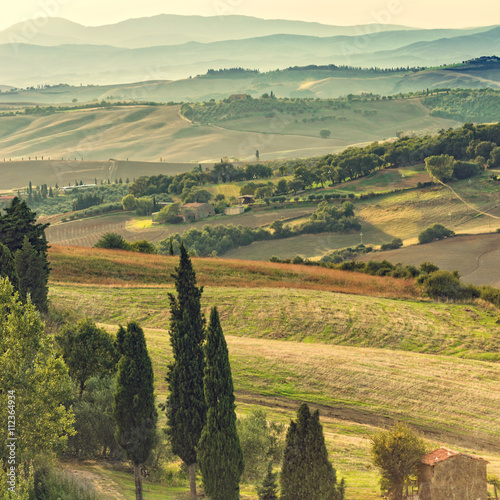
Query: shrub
(113, 241)
(433, 233)
(394, 244)
(261, 441)
(447, 285)
(142, 246)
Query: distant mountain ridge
(168, 29)
(26, 65)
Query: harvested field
(305, 315)
(122, 268)
(476, 257)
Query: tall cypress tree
(20, 221)
(219, 450)
(33, 277)
(306, 472)
(8, 267)
(17, 223)
(134, 403)
(186, 406)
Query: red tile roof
(193, 205)
(7, 197)
(441, 454)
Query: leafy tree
(144, 206)
(94, 423)
(129, 202)
(33, 276)
(260, 441)
(8, 267)
(196, 196)
(269, 488)
(494, 161)
(495, 482)
(433, 233)
(88, 351)
(441, 167)
(219, 450)
(186, 405)
(396, 453)
(325, 133)
(134, 402)
(306, 471)
(113, 241)
(484, 148)
(446, 285)
(38, 378)
(142, 246)
(169, 214)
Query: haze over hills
(170, 47)
(172, 29)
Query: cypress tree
(269, 488)
(306, 472)
(219, 450)
(8, 267)
(134, 403)
(20, 221)
(186, 406)
(33, 278)
(171, 247)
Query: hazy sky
(421, 13)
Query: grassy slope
(148, 134)
(402, 215)
(129, 269)
(357, 387)
(398, 114)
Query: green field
(347, 355)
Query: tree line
(219, 239)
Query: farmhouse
(446, 475)
(5, 201)
(236, 210)
(196, 211)
(246, 199)
(69, 189)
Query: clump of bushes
(393, 245)
(115, 241)
(447, 285)
(433, 233)
(62, 485)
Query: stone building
(191, 212)
(447, 475)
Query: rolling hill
(26, 64)
(293, 338)
(150, 133)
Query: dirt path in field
(473, 441)
(105, 486)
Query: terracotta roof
(193, 205)
(441, 454)
(7, 197)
